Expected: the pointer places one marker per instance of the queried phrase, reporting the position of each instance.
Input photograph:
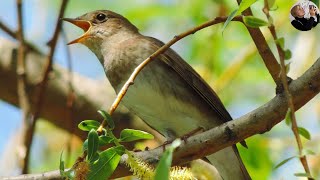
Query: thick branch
(256, 122)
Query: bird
(168, 94)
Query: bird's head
(102, 26)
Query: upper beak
(83, 24)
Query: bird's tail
(229, 164)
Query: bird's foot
(166, 143)
(193, 132)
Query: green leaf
(107, 163)
(280, 42)
(107, 117)
(304, 132)
(66, 174)
(245, 4)
(287, 67)
(303, 175)
(287, 54)
(230, 17)
(93, 144)
(120, 150)
(104, 140)
(61, 166)
(308, 152)
(87, 125)
(85, 146)
(288, 117)
(128, 135)
(284, 161)
(163, 167)
(254, 22)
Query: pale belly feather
(161, 110)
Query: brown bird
(168, 94)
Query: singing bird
(168, 94)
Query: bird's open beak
(85, 25)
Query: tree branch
(24, 101)
(265, 52)
(42, 87)
(14, 35)
(258, 121)
(161, 50)
(284, 80)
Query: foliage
(209, 53)
(100, 164)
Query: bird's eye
(101, 17)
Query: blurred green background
(229, 63)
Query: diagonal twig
(136, 71)
(15, 35)
(45, 78)
(284, 80)
(21, 86)
(258, 121)
(265, 52)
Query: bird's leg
(195, 131)
(184, 137)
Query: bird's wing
(192, 78)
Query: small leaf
(61, 166)
(107, 117)
(254, 22)
(280, 42)
(304, 132)
(104, 140)
(95, 157)
(287, 54)
(230, 17)
(87, 125)
(288, 117)
(105, 166)
(303, 175)
(93, 144)
(120, 150)
(163, 167)
(245, 4)
(287, 66)
(284, 161)
(128, 135)
(308, 152)
(85, 146)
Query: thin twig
(255, 122)
(21, 85)
(289, 97)
(44, 81)
(136, 71)
(6, 29)
(15, 35)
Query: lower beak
(85, 25)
